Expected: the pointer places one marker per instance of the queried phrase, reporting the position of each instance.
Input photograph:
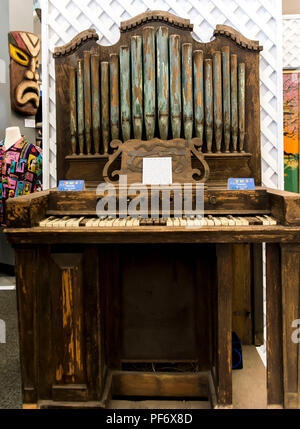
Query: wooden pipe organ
(157, 81)
(209, 93)
(142, 307)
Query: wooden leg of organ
(223, 372)
(283, 309)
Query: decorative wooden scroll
(158, 82)
(24, 49)
(133, 151)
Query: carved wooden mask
(24, 50)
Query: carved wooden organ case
(159, 82)
(148, 310)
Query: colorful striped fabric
(20, 171)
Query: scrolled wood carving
(131, 153)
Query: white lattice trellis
(259, 19)
(291, 41)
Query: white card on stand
(157, 171)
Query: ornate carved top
(77, 41)
(225, 30)
(156, 15)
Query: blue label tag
(241, 184)
(71, 185)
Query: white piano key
(271, 220)
(190, 222)
(243, 220)
(108, 222)
(44, 222)
(169, 221)
(116, 222)
(176, 221)
(135, 221)
(210, 221)
(182, 222)
(52, 222)
(96, 222)
(224, 221)
(264, 220)
(89, 223)
(122, 221)
(61, 223)
(217, 221)
(231, 221)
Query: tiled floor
(249, 384)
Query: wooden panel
(160, 384)
(159, 317)
(110, 287)
(224, 324)
(93, 313)
(241, 293)
(290, 275)
(257, 294)
(68, 323)
(45, 333)
(274, 325)
(26, 268)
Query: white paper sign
(157, 171)
(29, 123)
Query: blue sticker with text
(241, 184)
(71, 185)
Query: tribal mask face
(24, 49)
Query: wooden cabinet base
(126, 384)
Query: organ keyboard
(101, 299)
(128, 221)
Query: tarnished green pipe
(149, 81)
(137, 85)
(162, 57)
(187, 90)
(114, 95)
(125, 92)
(198, 94)
(208, 104)
(226, 95)
(87, 99)
(105, 105)
(217, 91)
(175, 84)
(73, 121)
(80, 105)
(95, 101)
